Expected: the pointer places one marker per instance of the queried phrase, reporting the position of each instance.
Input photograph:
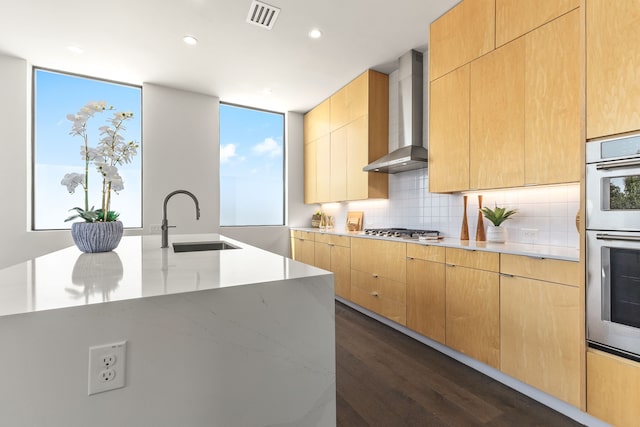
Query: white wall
(180, 132)
(15, 216)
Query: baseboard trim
(532, 392)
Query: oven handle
(626, 237)
(618, 164)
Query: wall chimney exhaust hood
(411, 154)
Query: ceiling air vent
(262, 14)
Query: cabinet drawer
(386, 307)
(333, 239)
(548, 270)
(427, 253)
(381, 257)
(379, 286)
(304, 235)
(480, 260)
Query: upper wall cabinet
(461, 35)
(516, 17)
(351, 130)
(497, 118)
(514, 118)
(449, 132)
(552, 102)
(317, 122)
(613, 67)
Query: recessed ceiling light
(315, 33)
(190, 40)
(75, 49)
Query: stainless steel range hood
(411, 154)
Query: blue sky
(251, 166)
(56, 152)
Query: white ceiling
(136, 41)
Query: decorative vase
(496, 234)
(464, 233)
(94, 237)
(480, 236)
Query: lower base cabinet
(426, 291)
(333, 253)
(378, 277)
(613, 384)
(541, 339)
(381, 295)
(302, 246)
(473, 313)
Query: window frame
(32, 154)
(284, 166)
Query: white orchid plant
(110, 152)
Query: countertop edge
(538, 251)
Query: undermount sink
(202, 246)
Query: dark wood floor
(385, 378)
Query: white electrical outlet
(155, 228)
(107, 367)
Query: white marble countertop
(541, 251)
(138, 268)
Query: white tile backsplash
(550, 210)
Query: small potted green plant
(497, 216)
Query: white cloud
(227, 152)
(268, 147)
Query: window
(57, 153)
(251, 166)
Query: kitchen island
(214, 338)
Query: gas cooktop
(403, 233)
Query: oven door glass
(622, 284)
(613, 290)
(613, 196)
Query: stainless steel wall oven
(613, 245)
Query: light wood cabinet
(473, 313)
(338, 165)
(517, 120)
(323, 169)
(359, 129)
(302, 246)
(516, 17)
(552, 102)
(613, 66)
(480, 260)
(461, 35)
(378, 277)
(449, 132)
(426, 291)
(612, 388)
(317, 122)
(549, 270)
(333, 253)
(541, 339)
(311, 172)
(497, 118)
(473, 304)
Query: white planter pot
(91, 237)
(496, 234)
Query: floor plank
(385, 378)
